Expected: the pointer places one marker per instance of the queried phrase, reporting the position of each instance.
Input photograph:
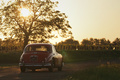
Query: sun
(25, 12)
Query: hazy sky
(92, 18)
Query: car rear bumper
(34, 65)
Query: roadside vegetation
(69, 56)
(99, 56)
(103, 72)
(10, 57)
(108, 69)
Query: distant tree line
(89, 44)
(10, 44)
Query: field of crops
(81, 56)
(69, 56)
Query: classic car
(40, 55)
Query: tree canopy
(40, 25)
(69, 41)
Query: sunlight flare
(25, 12)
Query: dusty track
(13, 72)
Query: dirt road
(13, 72)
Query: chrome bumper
(35, 65)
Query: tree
(70, 41)
(96, 42)
(39, 25)
(86, 42)
(103, 41)
(116, 41)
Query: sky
(92, 18)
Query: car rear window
(38, 48)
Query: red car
(41, 55)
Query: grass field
(10, 57)
(81, 56)
(69, 56)
(106, 72)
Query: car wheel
(33, 70)
(51, 68)
(60, 67)
(22, 69)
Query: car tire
(51, 68)
(33, 70)
(23, 69)
(60, 67)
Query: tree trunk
(26, 39)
